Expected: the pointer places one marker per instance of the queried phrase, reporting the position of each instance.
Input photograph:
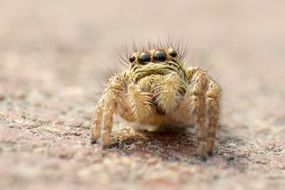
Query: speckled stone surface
(53, 53)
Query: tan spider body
(157, 90)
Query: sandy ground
(53, 53)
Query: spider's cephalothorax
(158, 90)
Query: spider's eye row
(156, 55)
(132, 58)
(143, 58)
(159, 56)
(172, 52)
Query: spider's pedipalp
(168, 92)
(139, 102)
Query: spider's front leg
(205, 101)
(213, 113)
(105, 109)
(198, 88)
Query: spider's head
(161, 72)
(155, 63)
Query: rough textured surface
(53, 53)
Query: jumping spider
(158, 90)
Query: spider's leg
(110, 108)
(198, 87)
(97, 120)
(105, 110)
(213, 113)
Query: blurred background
(53, 53)
(68, 43)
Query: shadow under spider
(177, 145)
(169, 145)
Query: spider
(158, 90)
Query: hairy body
(158, 90)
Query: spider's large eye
(159, 56)
(144, 58)
(172, 52)
(132, 58)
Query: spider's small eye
(159, 56)
(172, 52)
(144, 58)
(132, 58)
